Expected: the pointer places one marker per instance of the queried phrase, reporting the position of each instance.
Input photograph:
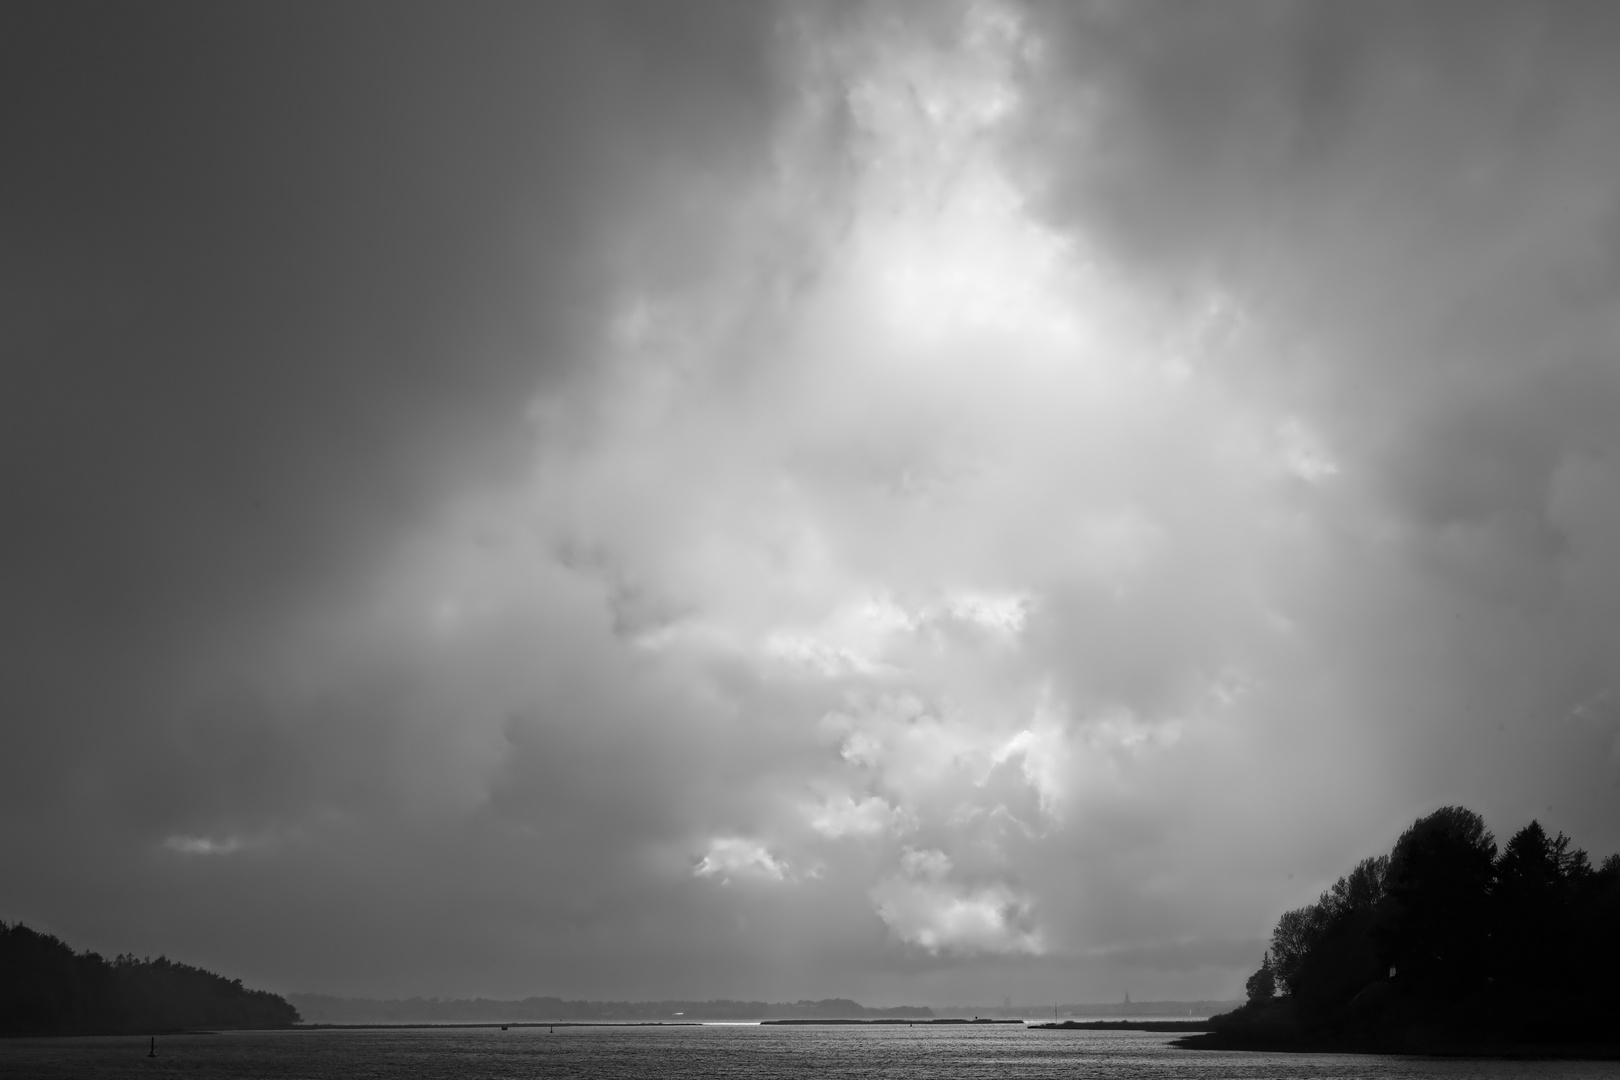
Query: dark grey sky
(919, 503)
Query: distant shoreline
(1126, 1025)
(161, 1032)
(329, 1010)
(891, 1020)
(795, 1022)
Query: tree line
(47, 988)
(1446, 936)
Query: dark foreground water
(779, 1052)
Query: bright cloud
(204, 845)
(842, 816)
(923, 908)
(980, 551)
(730, 856)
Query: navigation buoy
(151, 1050)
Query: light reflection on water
(855, 1053)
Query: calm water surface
(784, 1052)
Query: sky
(924, 503)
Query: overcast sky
(919, 503)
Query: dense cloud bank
(908, 503)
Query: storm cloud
(905, 503)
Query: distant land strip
(330, 1010)
(908, 1023)
(892, 1021)
(323, 1009)
(1127, 1025)
(503, 1027)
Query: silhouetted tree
(1296, 934)
(1323, 954)
(1596, 934)
(1362, 887)
(1434, 927)
(1301, 932)
(1537, 886)
(1262, 985)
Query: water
(855, 1053)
